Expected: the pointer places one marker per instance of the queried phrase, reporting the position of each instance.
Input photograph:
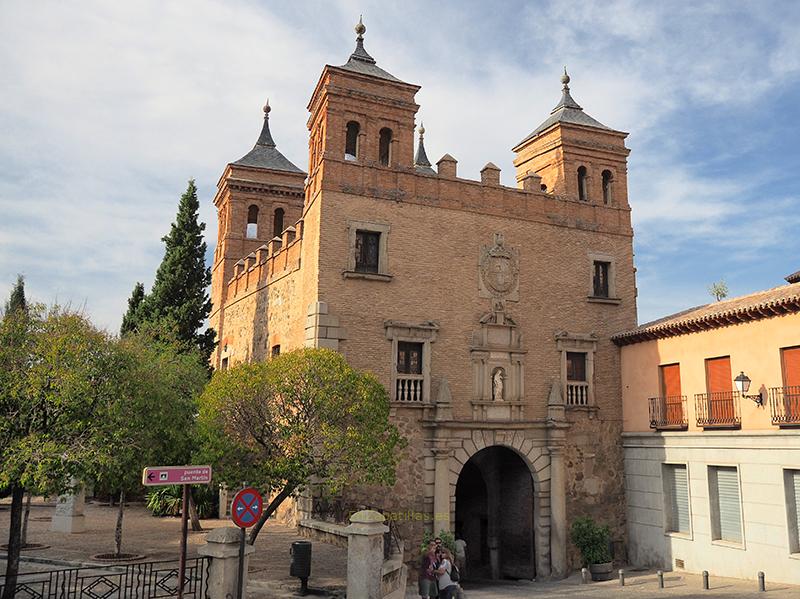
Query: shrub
(592, 540)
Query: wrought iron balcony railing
(668, 412)
(784, 405)
(718, 410)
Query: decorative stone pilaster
(441, 489)
(222, 546)
(69, 516)
(558, 513)
(365, 554)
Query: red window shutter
(791, 366)
(671, 380)
(718, 372)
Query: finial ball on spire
(361, 29)
(565, 77)
(421, 129)
(267, 107)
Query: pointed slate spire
(421, 162)
(566, 111)
(360, 61)
(566, 98)
(264, 154)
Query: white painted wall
(760, 458)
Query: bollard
(762, 587)
(621, 577)
(660, 575)
(584, 576)
(705, 580)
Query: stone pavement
(159, 539)
(638, 585)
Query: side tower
(257, 197)
(576, 155)
(359, 113)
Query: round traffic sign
(246, 507)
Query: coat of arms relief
(497, 353)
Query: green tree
(130, 322)
(179, 292)
(300, 415)
(718, 290)
(150, 418)
(55, 372)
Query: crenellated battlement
(271, 261)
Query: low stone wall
(394, 576)
(327, 532)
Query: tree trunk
(273, 505)
(14, 529)
(23, 539)
(118, 529)
(196, 526)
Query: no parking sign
(246, 507)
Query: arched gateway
(495, 514)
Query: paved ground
(638, 585)
(158, 538)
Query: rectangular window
(718, 375)
(792, 486)
(276, 350)
(726, 512)
(676, 497)
(410, 381)
(409, 357)
(224, 364)
(790, 362)
(367, 251)
(576, 366)
(670, 380)
(600, 285)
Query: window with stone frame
(367, 251)
(411, 360)
(577, 368)
(600, 282)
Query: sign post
(154, 476)
(246, 509)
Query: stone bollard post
(762, 586)
(584, 576)
(222, 546)
(705, 580)
(365, 554)
(621, 577)
(660, 576)
(69, 516)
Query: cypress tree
(130, 322)
(179, 292)
(16, 301)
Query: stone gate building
(486, 310)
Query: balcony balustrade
(784, 405)
(409, 388)
(668, 413)
(718, 410)
(577, 393)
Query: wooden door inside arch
(494, 515)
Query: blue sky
(107, 108)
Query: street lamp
(743, 385)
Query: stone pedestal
(365, 554)
(222, 546)
(69, 516)
(224, 504)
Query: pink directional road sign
(176, 475)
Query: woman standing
(447, 588)
(427, 577)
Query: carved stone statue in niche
(498, 377)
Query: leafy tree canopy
(300, 415)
